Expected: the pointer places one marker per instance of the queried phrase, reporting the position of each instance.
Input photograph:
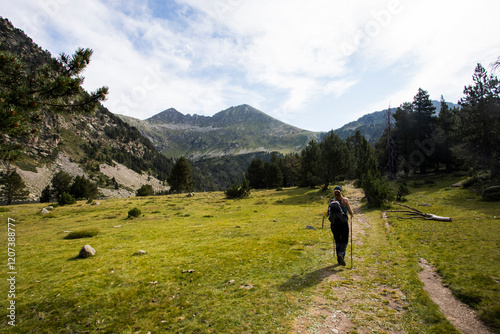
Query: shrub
(66, 199)
(377, 190)
(491, 193)
(86, 233)
(237, 191)
(135, 212)
(145, 190)
(402, 191)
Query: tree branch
(419, 214)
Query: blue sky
(315, 64)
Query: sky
(314, 64)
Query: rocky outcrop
(128, 180)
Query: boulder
(491, 193)
(44, 211)
(86, 251)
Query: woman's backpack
(335, 212)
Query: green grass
(255, 268)
(116, 291)
(465, 251)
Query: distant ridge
(231, 116)
(237, 130)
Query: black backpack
(335, 212)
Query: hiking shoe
(340, 260)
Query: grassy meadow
(466, 251)
(213, 265)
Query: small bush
(402, 191)
(491, 193)
(87, 233)
(145, 190)
(377, 190)
(430, 182)
(237, 191)
(66, 199)
(418, 184)
(135, 212)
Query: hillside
(98, 145)
(236, 130)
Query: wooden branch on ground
(415, 214)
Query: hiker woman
(338, 208)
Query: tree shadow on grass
(299, 282)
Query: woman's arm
(348, 206)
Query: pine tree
(180, 179)
(444, 137)
(256, 173)
(364, 156)
(14, 188)
(334, 158)
(309, 165)
(27, 92)
(83, 188)
(367, 171)
(290, 165)
(479, 120)
(423, 127)
(273, 177)
(390, 165)
(61, 183)
(403, 136)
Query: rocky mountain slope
(99, 145)
(237, 130)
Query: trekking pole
(351, 242)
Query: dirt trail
(460, 315)
(324, 317)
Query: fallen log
(417, 214)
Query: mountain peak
(232, 115)
(170, 115)
(236, 130)
(242, 114)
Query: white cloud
(294, 59)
